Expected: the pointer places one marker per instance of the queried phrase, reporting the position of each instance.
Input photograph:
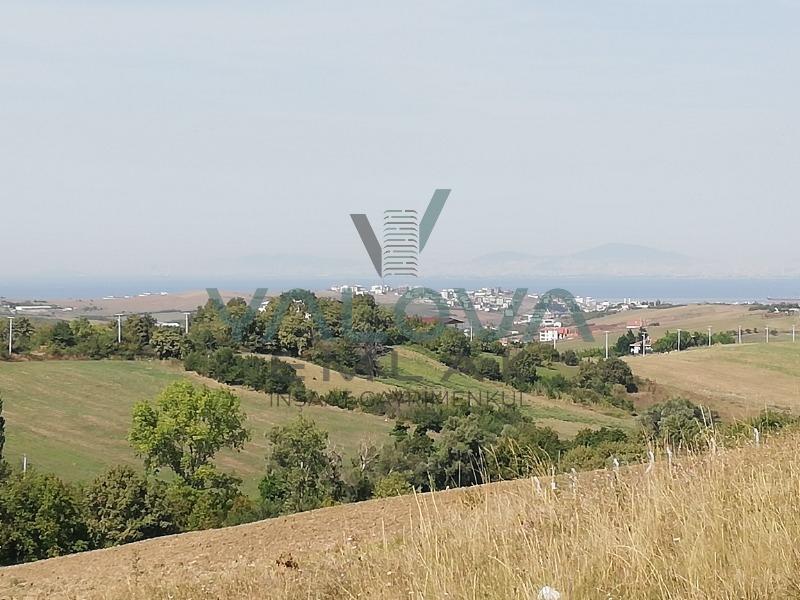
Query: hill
(720, 525)
(736, 380)
(693, 317)
(72, 417)
(415, 369)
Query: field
(73, 417)
(694, 317)
(721, 526)
(735, 380)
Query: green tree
(393, 484)
(301, 473)
(452, 346)
(123, 506)
(2, 429)
(40, 517)
(603, 374)
(295, 333)
(623, 345)
(570, 358)
(521, 370)
(487, 367)
(137, 330)
(185, 427)
(457, 458)
(62, 336)
(677, 421)
(167, 342)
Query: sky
(175, 137)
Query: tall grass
(725, 524)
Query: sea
(667, 289)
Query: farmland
(694, 317)
(72, 417)
(736, 380)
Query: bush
(570, 358)
(123, 507)
(40, 517)
(677, 421)
(602, 375)
(393, 484)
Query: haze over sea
(676, 290)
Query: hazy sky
(161, 136)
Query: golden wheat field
(723, 524)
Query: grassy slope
(694, 317)
(415, 370)
(73, 417)
(735, 380)
(717, 526)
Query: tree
(40, 517)
(123, 507)
(623, 345)
(2, 429)
(185, 428)
(23, 334)
(457, 456)
(167, 342)
(301, 473)
(137, 330)
(677, 420)
(602, 375)
(521, 370)
(295, 333)
(570, 358)
(393, 484)
(487, 367)
(453, 346)
(62, 335)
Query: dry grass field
(735, 380)
(722, 525)
(694, 317)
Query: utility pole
(709, 337)
(186, 319)
(768, 335)
(10, 333)
(606, 345)
(740, 334)
(24, 463)
(119, 328)
(679, 340)
(644, 343)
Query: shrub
(394, 484)
(40, 517)
(122, 507)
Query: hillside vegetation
(720, 525)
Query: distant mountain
(623, 252)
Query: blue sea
(675, 290)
